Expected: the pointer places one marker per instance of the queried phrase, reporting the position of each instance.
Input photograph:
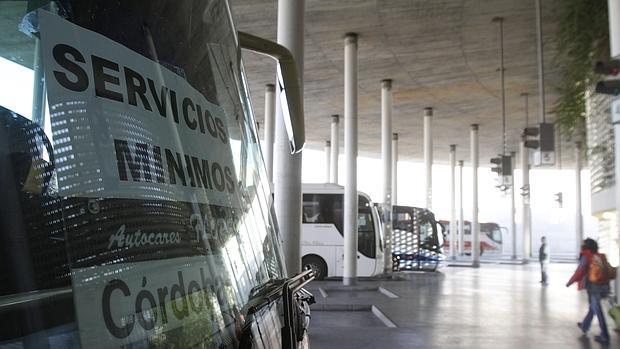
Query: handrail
(299, 281)
(290, 287)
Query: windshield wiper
(263, 294)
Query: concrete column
(350, 148)
(615, 119)
(333, 174)
(526, 213)
(328, 155)
(578, 211)
(513, 211)
(270, 128)
(461, 218)
(525, 208)
(386, 156)
(394, 169)
(428, 157)
(452, 201)
(475, 227)
(287, 171)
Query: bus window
(496, 235)
(428, 238)
(366, 232)
(323, 208)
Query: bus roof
(327, 188)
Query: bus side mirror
(289, 86)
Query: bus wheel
(316, 264)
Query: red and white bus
(491, 240)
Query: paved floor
(495, 306)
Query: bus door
(366, 245)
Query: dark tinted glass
(328, 208)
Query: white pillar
(428, 157)
(350, 148)
(453, 201)
(333, 174)
(270, 128)
(513, 211)
(525, 201)
(394, 169)
(386, 156)
(475, 227)
(461, 218)
(578, 212)
(328, 155)
(614, 27)
(287, 172)
(526, 212)
(525, 207)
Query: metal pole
(333, 174)
(452, 201)
(428, 157)
(475, 228)
(287, 172)
(461, 218)
(394, 169)
(328, 154)
(270, 128)
(540, 61)
(38, 95)
(386, 156)
(350, 148)
(500, 22)
(513, 224)
(578, 212)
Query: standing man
(543, 258)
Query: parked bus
(491, 237)
(136, 210)
(417, 239)
(322, 239)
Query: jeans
(543, 272)
(595, 308)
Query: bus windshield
(492, 230)
(136, 208)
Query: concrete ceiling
(439, 53)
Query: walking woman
(593, 275)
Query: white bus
(322, 239)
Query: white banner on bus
(118, 305)
(125, 126)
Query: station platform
(494, 306)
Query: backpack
(599, 270)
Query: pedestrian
(543, 258)
(593, 275)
